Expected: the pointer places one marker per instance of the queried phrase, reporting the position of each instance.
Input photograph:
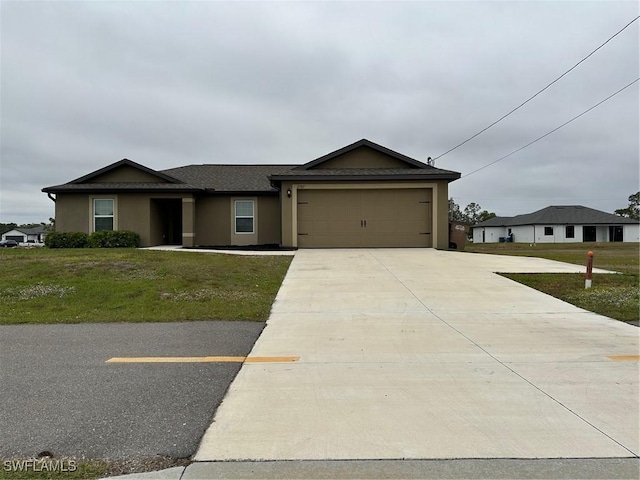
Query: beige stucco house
(362, 195)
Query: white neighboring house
(558, 224)
(25, 235)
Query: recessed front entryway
(166, 221)
(365, 218)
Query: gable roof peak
(364, 143)
(125, 162)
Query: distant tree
(5, 227)
(455, 214)
(484, 215)
(51, 226)
(633, 210)
(472, 213)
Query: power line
(554, 130)
(538, 93)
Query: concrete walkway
(264, 253)
(423, 354)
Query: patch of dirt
(116, 266)
(121, 266)
(77, 266)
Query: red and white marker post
(589, 275)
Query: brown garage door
(364, 218)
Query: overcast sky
(85, 84)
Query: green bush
(101, 239)
(114, 239)
(66, 240)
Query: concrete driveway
(423, 354)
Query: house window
(102, 214)
(570, 233)
(244, 216)
(548, 231)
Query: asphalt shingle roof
(495, 222)
(32, 231)
(229, 178)
(559, 215)
(254, 178)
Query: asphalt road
(57, 393)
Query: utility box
(458, 235)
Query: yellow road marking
(271, 359)
(202, 359)
(624, 358)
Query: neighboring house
(24, 235)
(559, 224)
(362, 195)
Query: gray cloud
(85, 84)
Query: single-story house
(559, 224)
(25, 235)
(362, 195)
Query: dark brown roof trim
(369, 177)
(122, 187)
(242, 193)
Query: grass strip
(615, 296)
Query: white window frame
(94, 216)
(252, 216)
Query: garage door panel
(381, 226)
(364, 218)
(322, 227)
(388, 210)
(327, 241)
(340, 227)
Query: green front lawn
(130, 285)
